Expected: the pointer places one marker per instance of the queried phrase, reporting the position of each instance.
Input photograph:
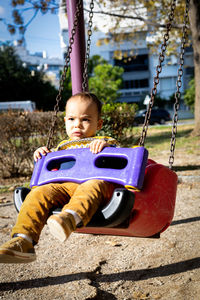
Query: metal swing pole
(77, 57)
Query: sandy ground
(112, 267)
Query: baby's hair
(91, 96)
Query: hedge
(23, 132)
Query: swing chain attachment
(87, 54)
(158, 71)
(63, 76)
(177, 94)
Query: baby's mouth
(77, 133)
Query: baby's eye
(71, 119)
(86, 120)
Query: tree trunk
(194, 16)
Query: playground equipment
(144, 206)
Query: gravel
(112, 267)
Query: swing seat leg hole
(111, 162)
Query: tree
(105, 82)
(67, 91)
(152, 16)
(147, 15)
(19, 83)
(94, 61)
(195, 29)
(189, 96)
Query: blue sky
(42, 34)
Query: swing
(144, 207)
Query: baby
(79, 202)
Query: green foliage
(189, 96)
(106, 82)
(22, 133)
(119, 107)
(19, 83)
(67, 90)
(117, 120)
(94, 61)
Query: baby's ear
(100, 124)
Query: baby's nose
(77, 123)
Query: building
(39, 61)
(138, 63)
(140, 67)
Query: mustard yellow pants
(83, 198)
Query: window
(190, 71)
(132, 63)
(168, 83)
(136, 84)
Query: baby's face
(81, 118)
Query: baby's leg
(83, 204)
(31, 219)
(37, 206)
(88, 197)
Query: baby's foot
(17, 250)
(61, 225)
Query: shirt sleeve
(112, 142)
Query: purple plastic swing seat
(125, 166)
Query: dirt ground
(112, 267)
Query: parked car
(158, 115)
(27, 105)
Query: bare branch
(139, 18)
(33, 17)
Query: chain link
(87, 54)
(63, 76)
(179, 84)
(158, 71)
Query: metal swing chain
(179, 84)
(63, 76)
(158, 71)
(87, 54)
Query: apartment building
(138, 62)
(41, 62)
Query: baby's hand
(97, 146)
(39, 152)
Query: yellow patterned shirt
(84, 143)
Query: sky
(41, 35)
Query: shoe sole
(57, 230)
(14, 257)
